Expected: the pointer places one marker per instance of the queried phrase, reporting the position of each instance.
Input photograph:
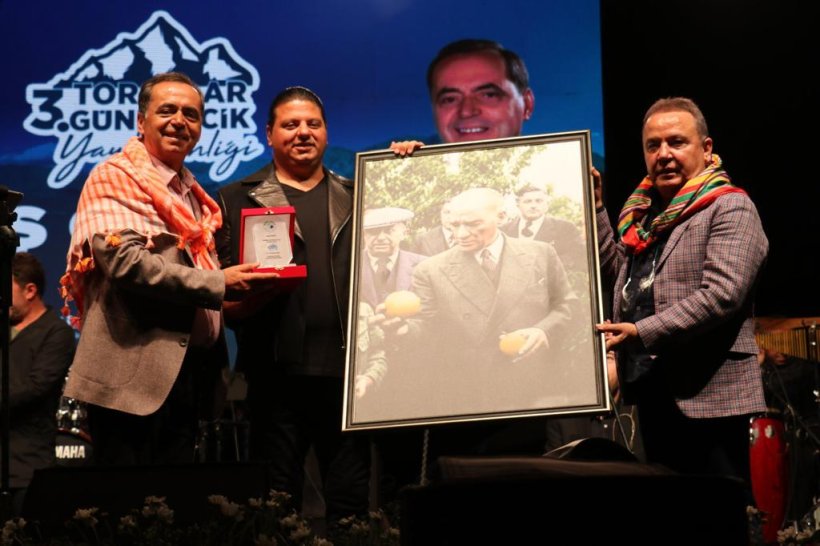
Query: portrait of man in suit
(493, 312)
(534, 223)
(386, 267)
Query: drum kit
(73, 445)
(218, 440)
(784, 447)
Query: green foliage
(566, 209)
(422, 184)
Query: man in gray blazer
(684, 268)
(143, 273)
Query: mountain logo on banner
(92, 107)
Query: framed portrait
(475, 284)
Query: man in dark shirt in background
(41, 350)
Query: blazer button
(183, 342)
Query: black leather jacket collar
(266, 190)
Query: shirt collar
(534, 226)
(167, 174)
(495, 249)
(374, 260)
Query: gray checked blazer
(702, 333)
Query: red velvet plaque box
(266, 237)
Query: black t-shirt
(323, 351)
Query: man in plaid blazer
(684, 266)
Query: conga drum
(769, 471)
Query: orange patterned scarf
(127, 192)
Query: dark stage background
(752, 68)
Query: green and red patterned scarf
(697, 194)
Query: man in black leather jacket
(291, 340)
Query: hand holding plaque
(267, 238)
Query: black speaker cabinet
(549, 501)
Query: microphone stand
(9, 241)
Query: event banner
(69, 98)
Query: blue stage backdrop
(73, 70)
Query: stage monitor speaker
(552, 501)
(592, 449)
(55, 493)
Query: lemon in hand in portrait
(402, 303)
(510, 344)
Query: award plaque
(267, 237)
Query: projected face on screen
(473, 98)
